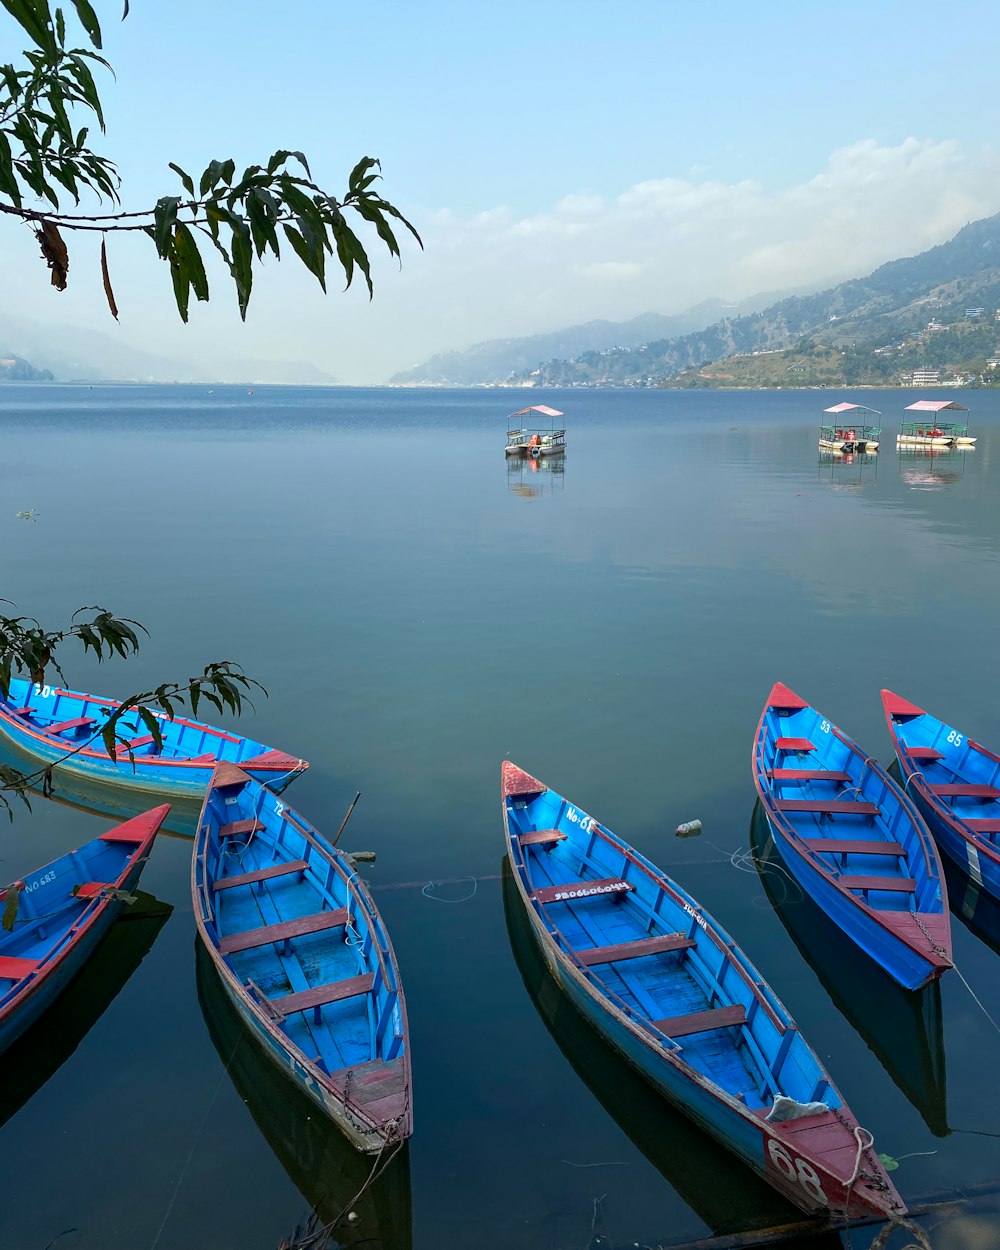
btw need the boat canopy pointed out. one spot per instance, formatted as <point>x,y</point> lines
<point>546,412</point>
<point>842,408</point>
<point>935,405</point>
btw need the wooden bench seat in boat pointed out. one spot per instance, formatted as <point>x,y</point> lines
<point>828,807</point>
<point>541,837</point>
<point>851,846</point>
<point>636,949</point>
<point>123,748</point>
<point>23,711</point>
<point>574,891</point>
<point>320,995</point>
<point>808,774</point>
<point>923,753</point>
<point>983,826</point>
<point>13,968</point>
<point>64,726</point>
<point>91,889</point>
<point>901,885</point>
<point>261,874</point>
<point>701,1021</point>
<point>284,931</point>
<point>795,744</point>
<point>237,827</point>
<point>958,791</point>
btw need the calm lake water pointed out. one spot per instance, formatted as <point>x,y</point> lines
<point>419,610</point>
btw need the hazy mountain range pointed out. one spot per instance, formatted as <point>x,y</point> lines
<point>500,360</point>
<point>904,315</point>
<point>73,354</point>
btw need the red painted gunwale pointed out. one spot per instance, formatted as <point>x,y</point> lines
<point>914,777</point>
<point>828,1140</point>
<point>908,931</point>
<point>142,830</point>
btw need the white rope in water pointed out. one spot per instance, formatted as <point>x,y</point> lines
<point>437,897</point>
<point>975,998</point>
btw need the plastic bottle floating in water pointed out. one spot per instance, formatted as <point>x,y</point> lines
<point>689,829</point>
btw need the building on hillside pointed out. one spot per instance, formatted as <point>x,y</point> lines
<point>974,313</point>
<point>936,325</point>
<point>925,377</point>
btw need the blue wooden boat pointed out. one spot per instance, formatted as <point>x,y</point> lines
<point>955,783</point>
<point>42,1050</point>
<point>46,723</point>
<point>904,1029</point>
<point>304,957</point>
<point>672,992</point>
<point>854,842</point>
<point>63,911</point>
<point>334,1179</point>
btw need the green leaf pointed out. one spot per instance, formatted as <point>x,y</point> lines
<point>187,255</point>
<point>89,21</point>
<point>185,178</point>
<point>888,1162</point>
<point>10,907</point>
<point>153,726</point>
<point>164,220</point>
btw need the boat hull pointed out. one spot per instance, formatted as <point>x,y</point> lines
<point>303,958</point>
<point>891,902</point>
<point>914,440</point>
<point>769,1149</point>
<point>183,769</point>
<point>73,948</point>
<point>972,852</point>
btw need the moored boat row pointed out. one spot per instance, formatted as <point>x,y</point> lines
<point>297,947</point>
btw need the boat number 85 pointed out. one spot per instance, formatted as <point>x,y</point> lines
<point>955,739</point>
<point>797,1169</point>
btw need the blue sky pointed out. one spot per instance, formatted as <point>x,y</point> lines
<point>564,161</point>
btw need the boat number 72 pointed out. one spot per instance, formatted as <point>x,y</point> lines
<point>955,739</point>
<point>824,726</point>
<point>797,1169</point>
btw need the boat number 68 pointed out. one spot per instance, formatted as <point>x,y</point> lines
<point>955,739</point>
<point>797,1169</point>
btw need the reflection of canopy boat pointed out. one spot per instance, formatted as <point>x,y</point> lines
<point>852,839</point>
<point>956,784</point>
<point>535,441</point>
<point>327,1171</point>
<point>45,1047</point>
<point>669,989</point>
<point>904,1029</point>
<point>851,430</point>
<point>727,1196</point>
<point>928,431</point>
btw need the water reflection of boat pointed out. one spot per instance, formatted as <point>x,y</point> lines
<point>531,478</point>
<point>44,1048</point>
<point>927,468</point>
<point>103,798</point>
<point>727,1196</point>
<point>904,1029</point>
<point>321,1163</point>
<point>848,470</point>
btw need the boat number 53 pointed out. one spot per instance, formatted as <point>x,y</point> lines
<point>824,726</point>
<point>797,1169</point>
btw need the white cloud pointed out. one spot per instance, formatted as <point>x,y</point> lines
<point>661,245</point>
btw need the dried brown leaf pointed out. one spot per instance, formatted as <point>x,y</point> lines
<point>107,282</point>
<point>54,252</point>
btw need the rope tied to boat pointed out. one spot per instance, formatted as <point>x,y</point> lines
<point>938,950</point>
<point>882,1236</point>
